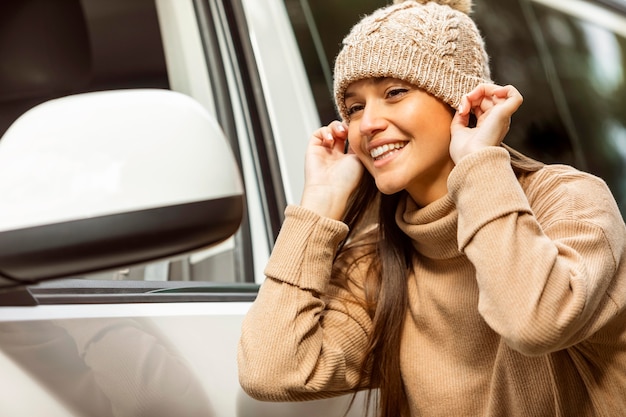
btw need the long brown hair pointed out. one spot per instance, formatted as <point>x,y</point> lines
<point>390,253</point>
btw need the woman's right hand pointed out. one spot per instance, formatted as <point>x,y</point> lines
<point>330,174</point>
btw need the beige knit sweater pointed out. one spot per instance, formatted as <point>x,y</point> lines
<point>517,301</point>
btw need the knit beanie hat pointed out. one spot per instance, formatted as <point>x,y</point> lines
<point>432,44</point>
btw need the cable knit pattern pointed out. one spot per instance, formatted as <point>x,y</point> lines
<point>517,301</point>
<point>428,44</point>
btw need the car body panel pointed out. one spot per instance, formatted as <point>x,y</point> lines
<point>122,360</point>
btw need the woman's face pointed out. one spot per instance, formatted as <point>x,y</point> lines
<point>401,134</point>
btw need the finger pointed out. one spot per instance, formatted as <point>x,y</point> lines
<point>505,102</point>
<point>330,134</point>
<point>487,89</point>
<point>484,96</point>
<point>507,91</point>
<point>477,104</point>
<point>325,136</point>
<point>465,106</point>
<point>479,93</point>
<point>338,129</point>
<point>461,118</point>
<point>510,96</point>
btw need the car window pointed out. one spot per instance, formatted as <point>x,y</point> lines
<point>568,60</point>
<point>589,57</point>
<point>52,49</point>
<point>112,24</point>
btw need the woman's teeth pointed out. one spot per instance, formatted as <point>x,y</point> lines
<point>380,152</point>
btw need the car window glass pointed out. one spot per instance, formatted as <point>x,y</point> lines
<point>52,49</point>
<point>537,129</point>
<point>589,59</point>
<point>126,39</point>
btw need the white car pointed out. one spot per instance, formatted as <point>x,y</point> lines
<point>149,148</point>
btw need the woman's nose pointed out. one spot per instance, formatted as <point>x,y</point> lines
<point>372,119</point>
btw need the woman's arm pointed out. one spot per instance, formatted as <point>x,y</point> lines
<point>547,256</point>
<point>303,338</point>
<point>545,263</point>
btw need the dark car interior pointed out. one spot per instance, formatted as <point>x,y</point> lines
<point>53,48</point>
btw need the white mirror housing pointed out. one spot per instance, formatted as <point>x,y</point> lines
<point>103,180</point>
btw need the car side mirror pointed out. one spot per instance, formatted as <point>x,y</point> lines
<point>103,180</point>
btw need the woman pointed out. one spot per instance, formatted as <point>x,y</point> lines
<point>431,261</point>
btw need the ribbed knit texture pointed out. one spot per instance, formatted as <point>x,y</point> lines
<point>517,301</point>
<point>431,45</point>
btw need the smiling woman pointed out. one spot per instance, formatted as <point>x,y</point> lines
<point>431,262</point>
<point>86,347</point>
<point>566,56</point>
<point>410,135</point>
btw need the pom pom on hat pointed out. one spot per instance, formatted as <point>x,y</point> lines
<point>434,45</point>
<point>464,6</point>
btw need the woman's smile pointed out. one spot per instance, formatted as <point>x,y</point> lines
<point>384,151</point>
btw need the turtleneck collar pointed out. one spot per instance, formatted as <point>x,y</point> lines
<point>433,229</point>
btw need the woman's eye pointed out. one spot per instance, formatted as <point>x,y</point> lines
<point>395,92</point>
<point>354,108</point>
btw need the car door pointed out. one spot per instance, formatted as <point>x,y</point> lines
<point>127,362</point>
<point>156,338</point>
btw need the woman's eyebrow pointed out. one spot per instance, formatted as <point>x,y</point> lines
<point>376,80</point>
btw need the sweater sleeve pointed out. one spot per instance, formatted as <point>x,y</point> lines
<point>303,337</point>
<point>547,255</point>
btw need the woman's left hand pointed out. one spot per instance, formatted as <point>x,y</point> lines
<point>493,106</point>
